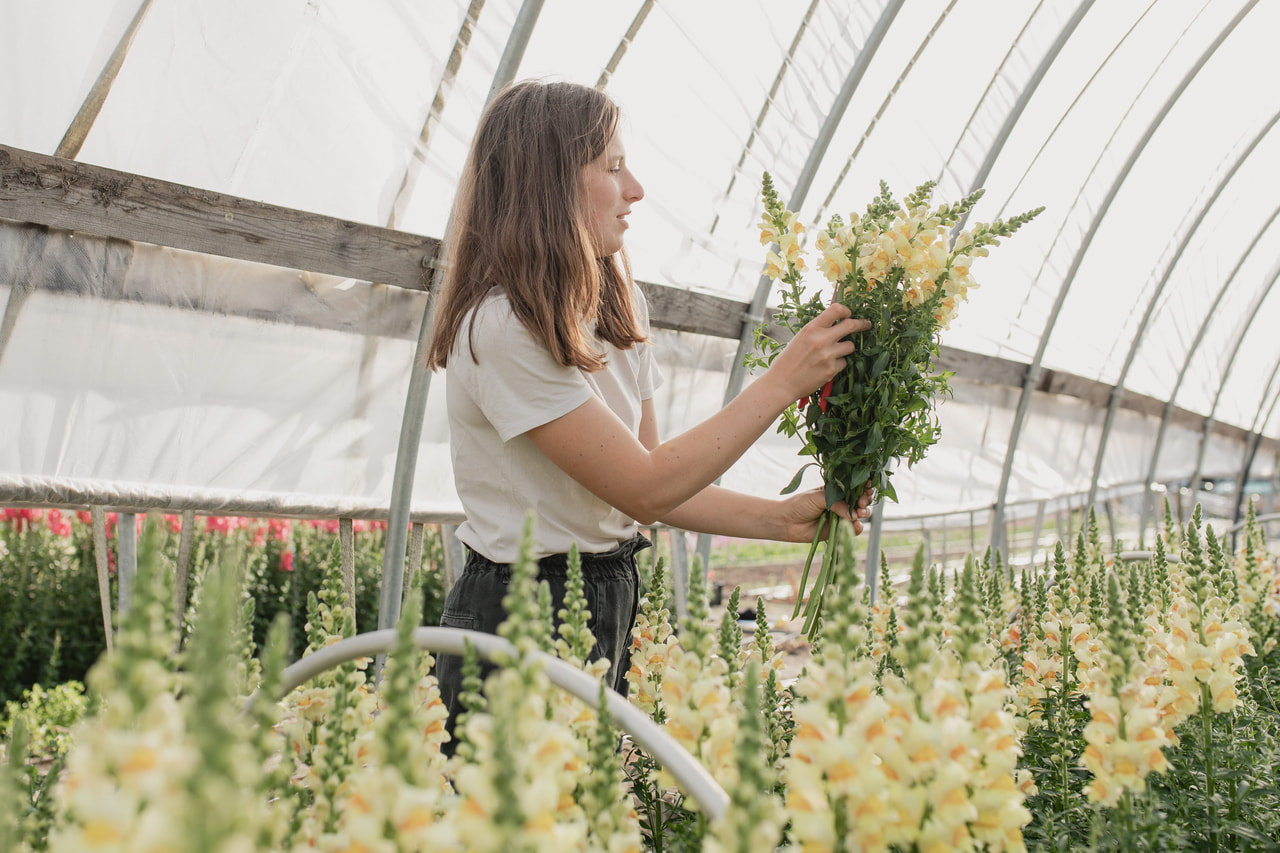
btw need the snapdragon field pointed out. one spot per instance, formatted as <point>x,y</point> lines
<point>1084,704</point>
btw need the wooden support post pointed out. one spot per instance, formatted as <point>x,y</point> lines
<point>454,555</point>
<point>346,542</point>
<point>944,540</point>
<point>415,559</point>
<point>182,571</point>
<point>680,572</point>
<point>1035,534</point>
<point>126,560</point>
<point>98,520</point>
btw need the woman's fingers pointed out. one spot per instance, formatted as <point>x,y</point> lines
<point>837,322</point>
<point>818,351</point>
<point>841,508</point>
<point>866,499</point>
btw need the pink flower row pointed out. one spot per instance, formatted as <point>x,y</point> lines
<point>279,529</point>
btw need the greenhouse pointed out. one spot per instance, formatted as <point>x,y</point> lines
<point>227,474</point>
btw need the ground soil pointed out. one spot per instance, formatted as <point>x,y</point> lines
<point>776,585</point>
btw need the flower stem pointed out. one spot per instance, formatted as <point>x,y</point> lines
<point>813,548</point>
<point>1210,783</point>
<point>1063,724</point>
<point>824,577</point>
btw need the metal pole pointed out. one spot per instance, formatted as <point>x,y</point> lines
<point>1024,98</point>
<point>680,573</point>
<point>1138,336</point>
<point>1251,446</point>
<point>347,550</point>
<point>1100,213</point>
<point>415,558</point>
<point>873,548</point>
<point>1167,415</point>
<point>768,102</point>
<point>944,541</point>
<point>884,106</point>
<point>755,314</point>
<point>627,38</point>
<point>1035,534</point>
<point>392,591</point>
<point>1217,397</point>
<point>410,178</point>
<point>80,126</point>
<point>517,41</point>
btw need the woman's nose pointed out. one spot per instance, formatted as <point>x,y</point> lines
<point>635,192</point>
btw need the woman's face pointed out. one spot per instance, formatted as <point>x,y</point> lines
<point>611,190</point>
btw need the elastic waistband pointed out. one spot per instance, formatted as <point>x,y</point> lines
<point>557,565</point>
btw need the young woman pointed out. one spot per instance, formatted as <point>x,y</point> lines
<point>551,376</point>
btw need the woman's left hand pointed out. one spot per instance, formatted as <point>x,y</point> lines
<point>804,509</point>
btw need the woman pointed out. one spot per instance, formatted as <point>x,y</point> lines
<point>551,376</point>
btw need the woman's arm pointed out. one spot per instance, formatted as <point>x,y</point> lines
<point>594,447</point>
<point>725,512</point>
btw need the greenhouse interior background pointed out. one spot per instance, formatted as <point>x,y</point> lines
<point>218,223</point>
<point>225,471</point>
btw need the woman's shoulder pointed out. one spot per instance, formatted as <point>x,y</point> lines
<point>492,330</point>
<point>493,317</point>
<point>641,303</point>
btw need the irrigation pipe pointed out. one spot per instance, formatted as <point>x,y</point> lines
<point>692,777</point>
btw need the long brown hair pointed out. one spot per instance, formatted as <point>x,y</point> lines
<point>520,224</point>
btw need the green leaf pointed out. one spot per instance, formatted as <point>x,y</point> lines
<point>795,481</point>
<point>875,439</point>
<point>833,493</point>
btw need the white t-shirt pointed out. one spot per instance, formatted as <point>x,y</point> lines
<point>516,386</point>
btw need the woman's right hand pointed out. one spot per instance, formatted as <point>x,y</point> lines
<point>817,352</point>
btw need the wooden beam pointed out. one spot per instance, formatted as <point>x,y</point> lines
<point>686,311</point>
<point>986,369</point>
<point>79,197</point>
<point>74,196</point>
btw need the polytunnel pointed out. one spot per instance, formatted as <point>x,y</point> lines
<point>220,222</point>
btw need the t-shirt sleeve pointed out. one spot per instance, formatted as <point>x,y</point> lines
<point>648,375</point>
<point>516,384</point>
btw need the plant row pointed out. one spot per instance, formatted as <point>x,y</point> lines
<point>1085,704</point>
<point>51,608</point>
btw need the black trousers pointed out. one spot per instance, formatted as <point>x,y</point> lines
<point>612,588</point>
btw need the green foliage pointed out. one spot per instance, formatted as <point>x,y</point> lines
<point>50,605</point>
<point>50,615</point>
<point>48,715</point>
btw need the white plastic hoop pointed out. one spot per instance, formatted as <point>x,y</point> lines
<point>692,777</point>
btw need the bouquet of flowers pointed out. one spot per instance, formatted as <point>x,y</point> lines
<point>899,266</point>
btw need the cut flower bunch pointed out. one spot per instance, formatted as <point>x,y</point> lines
<point>898,266</point>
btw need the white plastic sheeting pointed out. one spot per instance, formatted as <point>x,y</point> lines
<point>166,371</point>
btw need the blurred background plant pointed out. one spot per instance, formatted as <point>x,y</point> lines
<point>51,614</point>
